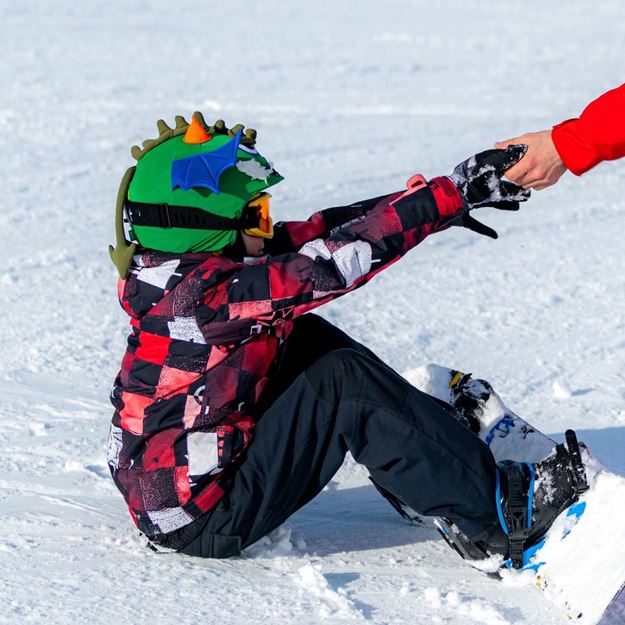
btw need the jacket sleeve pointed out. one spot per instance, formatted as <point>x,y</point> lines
<point>289,236</point>
<point>343,258</point>
<point>597,135</point>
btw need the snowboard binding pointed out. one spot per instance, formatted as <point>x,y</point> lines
<point>529,499</point>
<point>468,396</point>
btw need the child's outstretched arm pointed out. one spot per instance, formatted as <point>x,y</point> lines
<point>346,257</point>
<point>289,236</point>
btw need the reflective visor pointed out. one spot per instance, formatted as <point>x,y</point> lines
<point>258,207</point>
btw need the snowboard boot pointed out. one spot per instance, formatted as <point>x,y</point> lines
<point>529,499</point>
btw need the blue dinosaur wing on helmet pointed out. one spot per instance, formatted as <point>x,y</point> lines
<point>204,170</point>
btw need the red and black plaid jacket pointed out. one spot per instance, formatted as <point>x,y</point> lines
<point>206,333</point>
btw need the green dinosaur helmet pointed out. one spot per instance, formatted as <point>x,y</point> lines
<point>212,168</point>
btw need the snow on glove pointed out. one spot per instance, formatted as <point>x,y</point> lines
<point>479,182</point>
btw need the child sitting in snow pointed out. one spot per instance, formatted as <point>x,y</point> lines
<point>234,405</point>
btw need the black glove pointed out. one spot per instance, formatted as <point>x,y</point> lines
<point>480,184</point>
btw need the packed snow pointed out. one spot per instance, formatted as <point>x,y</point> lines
<point>349,100</point>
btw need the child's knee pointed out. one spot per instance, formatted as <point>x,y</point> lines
<point>332,369</point>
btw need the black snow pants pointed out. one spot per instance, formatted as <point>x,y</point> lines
<point>333,395</point>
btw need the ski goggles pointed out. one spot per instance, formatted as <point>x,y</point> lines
<point>256,212</point>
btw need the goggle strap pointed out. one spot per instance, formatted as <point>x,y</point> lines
<point>189,217</point>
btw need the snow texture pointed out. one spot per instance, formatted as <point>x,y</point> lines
<point>349,101</point>
<point>254,169</point>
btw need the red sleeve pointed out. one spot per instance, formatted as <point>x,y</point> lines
<point>289,236</point>
<point>344,259</point>
<point>597,135</point>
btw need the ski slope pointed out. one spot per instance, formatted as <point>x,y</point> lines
<point>350,99</point>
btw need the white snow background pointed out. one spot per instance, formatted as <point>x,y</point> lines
<point>350,99</point>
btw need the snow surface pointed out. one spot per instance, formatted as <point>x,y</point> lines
<point>350,99</point>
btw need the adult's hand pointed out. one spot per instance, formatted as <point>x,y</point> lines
<point>540,167</point>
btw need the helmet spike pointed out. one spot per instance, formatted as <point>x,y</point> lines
<point>201,132</point>
<point>249,138</point>
<point>181,122</point>
<point>162,126</point>
<point>198,115</point>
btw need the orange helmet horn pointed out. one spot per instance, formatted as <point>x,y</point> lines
<point>196,133</point>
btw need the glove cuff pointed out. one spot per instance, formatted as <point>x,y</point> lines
<point>449,200</point>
